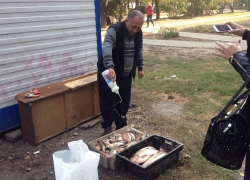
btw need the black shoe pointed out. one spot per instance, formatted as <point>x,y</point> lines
<point>107,131</point>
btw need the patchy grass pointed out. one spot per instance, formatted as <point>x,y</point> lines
<point>207,28</point>
<point>168,33</point>
<point>203,85</point>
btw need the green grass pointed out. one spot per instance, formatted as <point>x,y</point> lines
<point>206,84</point>
<point>194,78</point>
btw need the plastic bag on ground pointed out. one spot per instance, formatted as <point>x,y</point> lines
<point>77,163</point>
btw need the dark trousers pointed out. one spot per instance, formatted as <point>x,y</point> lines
<point>107,100</point>
<point>247,167</point>
<point>149,18</point>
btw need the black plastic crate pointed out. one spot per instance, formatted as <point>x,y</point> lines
<point>158,167</point>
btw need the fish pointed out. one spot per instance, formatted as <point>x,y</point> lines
<point>126,137</point>
<point>98,146</point>
<point>143,154</point>
<point>154,158</point>
<point>144,135</point>
<point>106,141</point>
<point>112,152</point>
<point>130,144</point>
<point>141,136</point>
<point>102,146</point>
<point>114,145</point>
<point>120,149</point>
<point>132,136</point>
<point>118,137</point>
<point>113,140</point>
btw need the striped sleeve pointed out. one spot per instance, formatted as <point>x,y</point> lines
<point>107,46</point>
<point>140,61</point>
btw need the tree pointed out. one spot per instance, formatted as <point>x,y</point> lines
<point>117,9</point>
<point>103,4</point>
<point>157,9</point>
<point>174,7</point>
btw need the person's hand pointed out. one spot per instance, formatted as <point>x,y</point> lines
<point>237,29</point>
<point>111,74</point>
<point>140,74</point>
<point>226,51</point>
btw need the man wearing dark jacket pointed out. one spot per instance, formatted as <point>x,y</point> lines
<point>121,54</point>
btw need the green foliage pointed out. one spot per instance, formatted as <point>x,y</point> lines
<point>168,33</point>
<point>116,9</point>
<point>174,7</point>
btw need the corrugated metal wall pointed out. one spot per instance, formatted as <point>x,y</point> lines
<point>44,41</point>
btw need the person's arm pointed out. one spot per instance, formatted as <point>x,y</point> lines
<point>237,58</point>
<point>241,63</point>
<point>107,47</point>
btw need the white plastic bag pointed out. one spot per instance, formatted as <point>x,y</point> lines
<point>77,163</point>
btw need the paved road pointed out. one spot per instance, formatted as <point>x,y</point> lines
<point>193,44</point>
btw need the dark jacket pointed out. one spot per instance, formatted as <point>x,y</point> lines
<point>118,51</point>
<point>241,61</point>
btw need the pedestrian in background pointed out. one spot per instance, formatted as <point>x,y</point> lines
<point>149,14</point>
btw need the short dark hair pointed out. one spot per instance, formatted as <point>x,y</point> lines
<point>135,13</point>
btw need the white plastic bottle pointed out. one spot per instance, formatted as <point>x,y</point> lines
<point>111,84</point>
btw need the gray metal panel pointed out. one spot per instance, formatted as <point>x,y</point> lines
<point>42,42</point>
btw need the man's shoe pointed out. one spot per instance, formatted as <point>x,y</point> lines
<point>107,131</point>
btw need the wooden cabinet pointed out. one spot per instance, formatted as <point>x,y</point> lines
<point>61,106</point>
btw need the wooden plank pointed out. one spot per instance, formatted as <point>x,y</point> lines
<point>81,82</point>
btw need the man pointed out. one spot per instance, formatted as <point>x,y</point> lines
<point>121,54</point>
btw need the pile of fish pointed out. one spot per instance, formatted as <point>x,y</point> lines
<point>147,156</point>
<point>118,142</point>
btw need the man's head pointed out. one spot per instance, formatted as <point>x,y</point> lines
<point>134,22</point>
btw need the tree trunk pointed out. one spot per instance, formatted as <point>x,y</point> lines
<point>157,9</point>
<point>103,14</point>
<point>128,6</point>
<point>136,4</point>
<point>231,7</point>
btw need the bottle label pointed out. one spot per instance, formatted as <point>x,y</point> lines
<point>106,79</point>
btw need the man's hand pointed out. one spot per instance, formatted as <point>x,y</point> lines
<point>226,51</point>
<point>140,74</point>
<point>111,74</point>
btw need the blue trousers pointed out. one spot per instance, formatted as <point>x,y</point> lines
<point>149,18</point>
<point>107,100</point>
